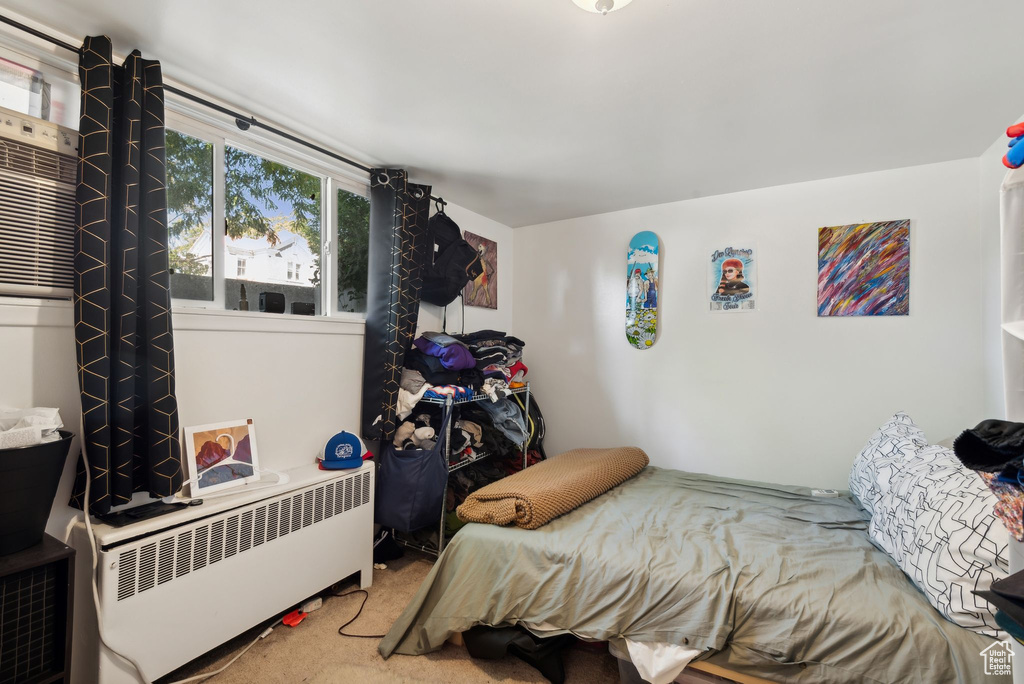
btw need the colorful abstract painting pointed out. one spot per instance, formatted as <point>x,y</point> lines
<point>483,291</point>
<point>864,269</point>
<point>732,279</point>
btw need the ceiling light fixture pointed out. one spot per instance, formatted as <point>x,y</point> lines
<point>601,6</point>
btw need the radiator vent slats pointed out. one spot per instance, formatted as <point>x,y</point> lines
<point>216,541</point>
<point>329,500</point>
<point>184,553</point>
<point>259,533</point>
<point>285,525</point>
<point>231,541</point>
<point>318,505</point>
<point>147,567</point>
<point>165,563</point>
<point>307,508</point>
<point>272,512</point>
<point>199,554</point>
<point>296,512</point>
<point>245,540</point>
<point>126,574</point>
<point>153,562</point>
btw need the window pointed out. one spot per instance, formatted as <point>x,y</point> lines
<point>273,213</point>
<point>353,250</point>
<point>190,216</point>
<point>245,212</point>
<point>31,87</point>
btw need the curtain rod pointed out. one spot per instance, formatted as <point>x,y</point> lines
<point>243,122</point>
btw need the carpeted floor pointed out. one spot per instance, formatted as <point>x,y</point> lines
<point>314,652</point>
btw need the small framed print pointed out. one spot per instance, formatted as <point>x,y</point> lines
<point>732,278</point>
<point>221,455</point>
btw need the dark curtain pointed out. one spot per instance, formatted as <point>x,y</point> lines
<point>122,301</point>
<point>398,253</point>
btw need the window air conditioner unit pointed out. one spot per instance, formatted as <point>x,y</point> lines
<point>38,173</point>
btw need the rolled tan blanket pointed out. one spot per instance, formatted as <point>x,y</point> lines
<point>539,494</point>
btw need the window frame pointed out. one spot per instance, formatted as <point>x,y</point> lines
<point>182,118</point>
<point>217,261</point>
<point>192,119</point>
<point>50,65</point>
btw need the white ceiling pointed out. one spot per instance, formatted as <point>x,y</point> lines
<point>529,111</point>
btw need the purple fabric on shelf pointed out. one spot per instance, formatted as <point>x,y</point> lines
<point>453,357</point>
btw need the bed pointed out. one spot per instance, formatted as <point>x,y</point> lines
<point>764,580</point>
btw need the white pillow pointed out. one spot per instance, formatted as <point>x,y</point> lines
<point>874,467</point>
<point>934,518</point>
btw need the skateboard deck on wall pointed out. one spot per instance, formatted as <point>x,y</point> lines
<point>643,290</point>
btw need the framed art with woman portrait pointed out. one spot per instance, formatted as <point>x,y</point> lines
<point>732,279</point>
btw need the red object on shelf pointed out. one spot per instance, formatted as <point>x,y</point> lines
<point>293,618</point>
<point>1015,131</point>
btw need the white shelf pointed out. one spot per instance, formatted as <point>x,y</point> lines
<point>1015,328</point>
<point>475,397</point>
<point>298,478</point>
<point>462,463</point>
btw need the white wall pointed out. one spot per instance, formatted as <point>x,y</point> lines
<point>778,394</point>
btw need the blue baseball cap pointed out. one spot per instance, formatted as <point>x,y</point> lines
<point>343,450</point>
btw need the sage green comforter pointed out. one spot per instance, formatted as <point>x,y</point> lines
<point>769,580</point>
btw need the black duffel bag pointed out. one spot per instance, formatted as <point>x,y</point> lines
<point>455,262</point>
<point>411,483</point>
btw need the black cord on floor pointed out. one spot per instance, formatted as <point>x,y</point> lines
<point>366,595</point>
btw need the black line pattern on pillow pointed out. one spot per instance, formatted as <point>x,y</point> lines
<point>936,521</point>
<point>880,459</point>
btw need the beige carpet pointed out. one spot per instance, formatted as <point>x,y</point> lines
<point>314,652</point>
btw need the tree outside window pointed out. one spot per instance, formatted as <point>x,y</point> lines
<point>267,202</point>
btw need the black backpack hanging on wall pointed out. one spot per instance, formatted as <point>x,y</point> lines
<point>455,262</point>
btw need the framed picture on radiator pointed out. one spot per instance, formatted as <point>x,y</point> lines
<point>220,455</point>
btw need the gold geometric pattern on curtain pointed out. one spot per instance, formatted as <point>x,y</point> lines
<point>398,253</point>
<point>123,334</point>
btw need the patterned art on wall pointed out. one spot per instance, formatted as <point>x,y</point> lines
<point>732,278</point>
<point>483,291</point>
<point>864,269</point>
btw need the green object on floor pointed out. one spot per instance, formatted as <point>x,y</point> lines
<point>1011,627</point>
<point>452,524</point>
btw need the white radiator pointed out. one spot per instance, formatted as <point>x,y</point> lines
<point>172,595</point>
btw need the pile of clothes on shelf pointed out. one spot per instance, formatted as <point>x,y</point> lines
<point>439,365</point>
<point>487,366</point>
